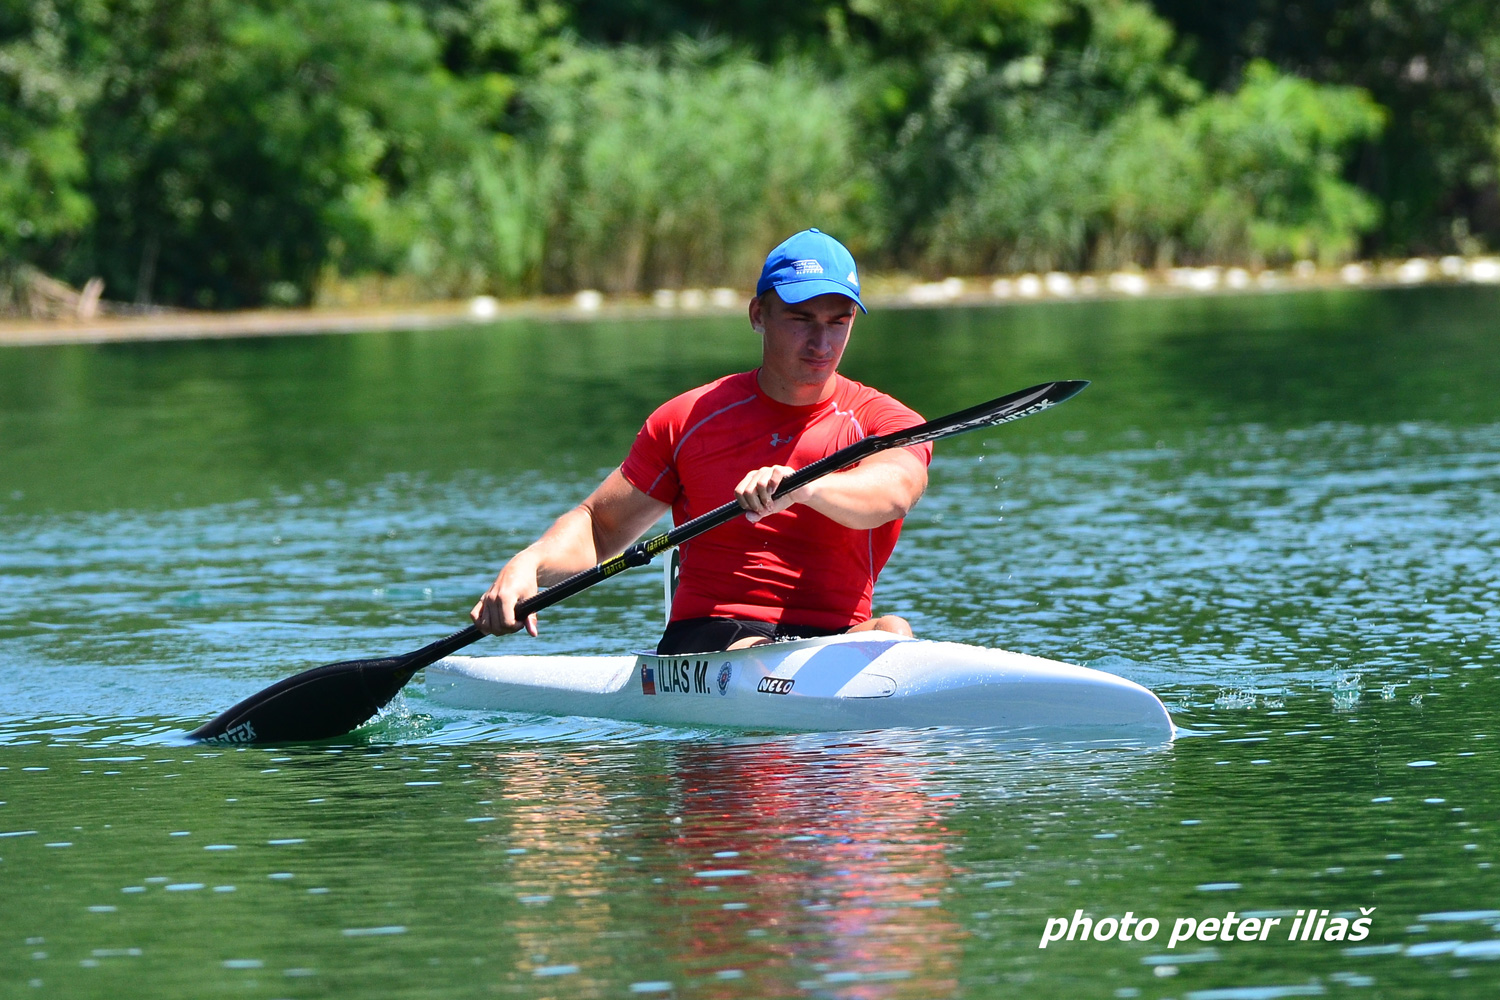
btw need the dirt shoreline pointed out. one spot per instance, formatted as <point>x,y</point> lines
<point>247,323</point>
<point>883,294</point>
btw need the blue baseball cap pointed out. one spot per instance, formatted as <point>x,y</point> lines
<point>808,264</point>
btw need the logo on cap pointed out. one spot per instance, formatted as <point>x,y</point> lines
<point>804,266</point>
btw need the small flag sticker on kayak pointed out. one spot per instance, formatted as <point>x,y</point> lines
<point>648,679</point>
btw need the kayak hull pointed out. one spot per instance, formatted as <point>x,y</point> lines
<point>846,682</point>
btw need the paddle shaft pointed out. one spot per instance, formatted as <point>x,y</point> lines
<point>998,411</point>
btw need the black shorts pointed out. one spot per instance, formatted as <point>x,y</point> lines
<point>713,635</point>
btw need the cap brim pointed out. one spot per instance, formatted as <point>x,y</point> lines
<point>792,292</point>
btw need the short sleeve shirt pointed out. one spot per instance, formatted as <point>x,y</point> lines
<point>796,566</point>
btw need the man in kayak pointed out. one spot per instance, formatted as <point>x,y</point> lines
<point>801,566</point>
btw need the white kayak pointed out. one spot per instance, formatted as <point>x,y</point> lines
<point>868,680</point>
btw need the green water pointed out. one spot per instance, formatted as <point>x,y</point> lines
<point>1279,512</point>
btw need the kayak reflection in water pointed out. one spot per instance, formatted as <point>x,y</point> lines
<point>802,565</point>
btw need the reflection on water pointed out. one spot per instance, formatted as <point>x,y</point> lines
<point>844,862</point>
<point>1278,512</point>
<point>776,865</point>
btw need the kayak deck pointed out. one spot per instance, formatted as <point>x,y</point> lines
<point>842,682</point>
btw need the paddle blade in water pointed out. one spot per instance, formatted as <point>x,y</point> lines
<point>316,704</point>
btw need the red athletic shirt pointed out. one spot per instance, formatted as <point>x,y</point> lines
<point>795,566</point>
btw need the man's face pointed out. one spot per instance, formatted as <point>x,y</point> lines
<point>804,341</point>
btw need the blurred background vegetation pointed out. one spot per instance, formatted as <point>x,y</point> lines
<point>231,153</point>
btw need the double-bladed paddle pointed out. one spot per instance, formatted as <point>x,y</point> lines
<point>337,698</point>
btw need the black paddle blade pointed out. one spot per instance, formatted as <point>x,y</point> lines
<point>997,411</point>
<point>316,704</point>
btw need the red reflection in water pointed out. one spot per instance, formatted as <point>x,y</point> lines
<point>839,855</point>
<point>845,861</point>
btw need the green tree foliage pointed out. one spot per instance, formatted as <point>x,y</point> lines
<point>41,161</point>
<point>998,159</point>
<point>1250,177</point>
<point>683,168</point>
<point>1273,156</point>
<point>239,146</point>
<point>1434,65</point>
<point>235,152</point>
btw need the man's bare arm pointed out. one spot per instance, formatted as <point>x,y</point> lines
<point>879,489</point>
<point>612,517</point>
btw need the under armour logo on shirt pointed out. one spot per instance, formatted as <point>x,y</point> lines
<point>777,440</point>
